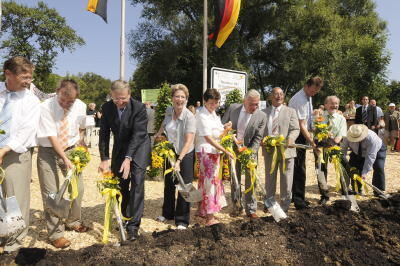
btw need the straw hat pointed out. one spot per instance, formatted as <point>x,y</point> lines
<point>357,132</point>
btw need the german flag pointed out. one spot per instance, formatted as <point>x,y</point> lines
<point>98,7</point>
<point>226,14</point>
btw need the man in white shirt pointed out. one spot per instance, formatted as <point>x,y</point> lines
<point>19,119</point>
<point>62,126</point>
<point>302,103</point>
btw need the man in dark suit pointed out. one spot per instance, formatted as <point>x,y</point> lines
<point>126,118</point>
<point>366,114</point>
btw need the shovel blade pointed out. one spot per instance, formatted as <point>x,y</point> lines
<point>59,208</point>
<point>11,220</point>
<point>189,193</point>
<point>354,206</point>
<point>275,209</point>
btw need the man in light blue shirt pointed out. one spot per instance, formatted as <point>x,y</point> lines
<point>367,152</point>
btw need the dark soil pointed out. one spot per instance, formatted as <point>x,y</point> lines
<point>319,235</point>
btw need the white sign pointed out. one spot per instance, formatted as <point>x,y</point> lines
<point>226,80</point>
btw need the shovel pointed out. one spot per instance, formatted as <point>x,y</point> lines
<point>275,209</point>
<point>354,206</point>
<point>187,191</point>
<point>120,223</point>
<point>56,204</point>
<point>377,190</point>
<point>11,221</point>
<point>235,182</point>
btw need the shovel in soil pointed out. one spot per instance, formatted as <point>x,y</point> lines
<point>56,204</point>
<point>354,206</point>
<point>378,191</point>
<point>275,209</point>
<point>235,183</point>
<point>187,191</point>
<point>11,221</point>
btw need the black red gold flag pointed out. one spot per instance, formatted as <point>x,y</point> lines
<point>98,7</point>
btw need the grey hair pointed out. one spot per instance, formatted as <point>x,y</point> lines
<point>252,94</point>
<point>329,98</point>
<point>277,88</point>
<point>119,85</point>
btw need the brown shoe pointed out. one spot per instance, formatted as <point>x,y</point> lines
<point>252,216</point>
<point>78,228</point>
<point>61,242</point>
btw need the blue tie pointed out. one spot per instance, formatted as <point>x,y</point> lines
<point>310,111</point>
<point>5,119</point>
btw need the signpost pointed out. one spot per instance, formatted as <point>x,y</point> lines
<point>226,80</point>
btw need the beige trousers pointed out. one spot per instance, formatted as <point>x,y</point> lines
<point>18,168</point>
<point>51,170</point>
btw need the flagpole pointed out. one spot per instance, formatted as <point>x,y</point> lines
<point>205,41</point>
<point>122,44</point>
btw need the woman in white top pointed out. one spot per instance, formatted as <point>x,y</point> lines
<point>209,129</point>
<point>180,126</point>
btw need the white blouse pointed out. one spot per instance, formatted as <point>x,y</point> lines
<point>207,124</point>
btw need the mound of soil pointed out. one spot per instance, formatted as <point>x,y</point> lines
<point>313,236</point>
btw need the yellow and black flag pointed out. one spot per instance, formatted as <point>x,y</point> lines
<point>226,14</point>
<point>98,7</point>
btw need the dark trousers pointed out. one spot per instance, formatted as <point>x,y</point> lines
<point>299,176</point>
<point>132,190</point>
<point>178,209</point>
<point>378,177</point>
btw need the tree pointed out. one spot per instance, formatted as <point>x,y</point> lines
<point>163,101</point>
<point>278,42</point>
<point>38,33</point>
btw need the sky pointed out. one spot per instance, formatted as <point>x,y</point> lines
<point>101,52</point>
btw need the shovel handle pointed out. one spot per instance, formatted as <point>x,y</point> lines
<point>120,224</point>
<point>380,192</point>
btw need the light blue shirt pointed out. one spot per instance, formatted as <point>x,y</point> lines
<point>369,149</point>
<point>303,106</point>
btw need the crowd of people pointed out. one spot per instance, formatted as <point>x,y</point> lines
<point>59,123</point>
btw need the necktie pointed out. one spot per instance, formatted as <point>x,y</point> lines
<point>330,120</point>
<point>359,149</point>
<point>120,112</point>
<point>364,115</point>
<point>242,126</point>
<point>5,119</point>
<point>63,132</point>
<point>275,124</point>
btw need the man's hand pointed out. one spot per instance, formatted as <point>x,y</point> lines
<point>104,166</point>
<point>68,164</point>
<point>177,166</point>
<point>3,152</point>
<point>82,143</point>
<point>125,168</point>
<point>228,125</point>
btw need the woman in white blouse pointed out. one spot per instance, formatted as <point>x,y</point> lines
<point>208,149</point>
<point>180,126</point>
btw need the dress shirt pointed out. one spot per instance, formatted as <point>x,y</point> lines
<point>50,120</point>
<point>275,113</point>
<point>207,124</point>
<point>369,149</point>
<point>185,123</point>
<point>243,121</point>
<point>25,118</point>
<point>379,112</point>
<point>303,106</point>
<point>338,124</point>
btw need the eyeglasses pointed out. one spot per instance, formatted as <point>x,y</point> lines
<point>30,80</point>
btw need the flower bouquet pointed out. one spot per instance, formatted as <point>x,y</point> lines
<point>226,141</point>
<point>163,150</point>
<point>80,157</point>
<point>321,129</point>
<point>109,188</point>
<point>246,159</point>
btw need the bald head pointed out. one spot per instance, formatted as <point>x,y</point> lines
<point>277,96</point>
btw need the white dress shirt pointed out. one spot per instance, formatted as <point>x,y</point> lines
<point>243,121</point>
<point>273,115</point>
<point>303,106</point>
<point>50,119</point>
<point>207,124</point>
<point>25,118</point>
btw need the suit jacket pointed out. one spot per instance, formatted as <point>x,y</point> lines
<point>288,126</point>
<point>372,119</point>
<point>255,128</point>
<point>130,134</point>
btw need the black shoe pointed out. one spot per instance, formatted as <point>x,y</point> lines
<point>323,200</point>
<point>300,205</point>
<point>133,234</point>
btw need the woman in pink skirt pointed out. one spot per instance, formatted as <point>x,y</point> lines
<point>208,149</point>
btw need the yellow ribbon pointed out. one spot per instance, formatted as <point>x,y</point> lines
<point>358,178</point>
<point>253,176</point>
<point>2,175</point>
<point>275,158</point>
<point>338,171</point>
<point>73,186</point>
<point>110,195</point>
